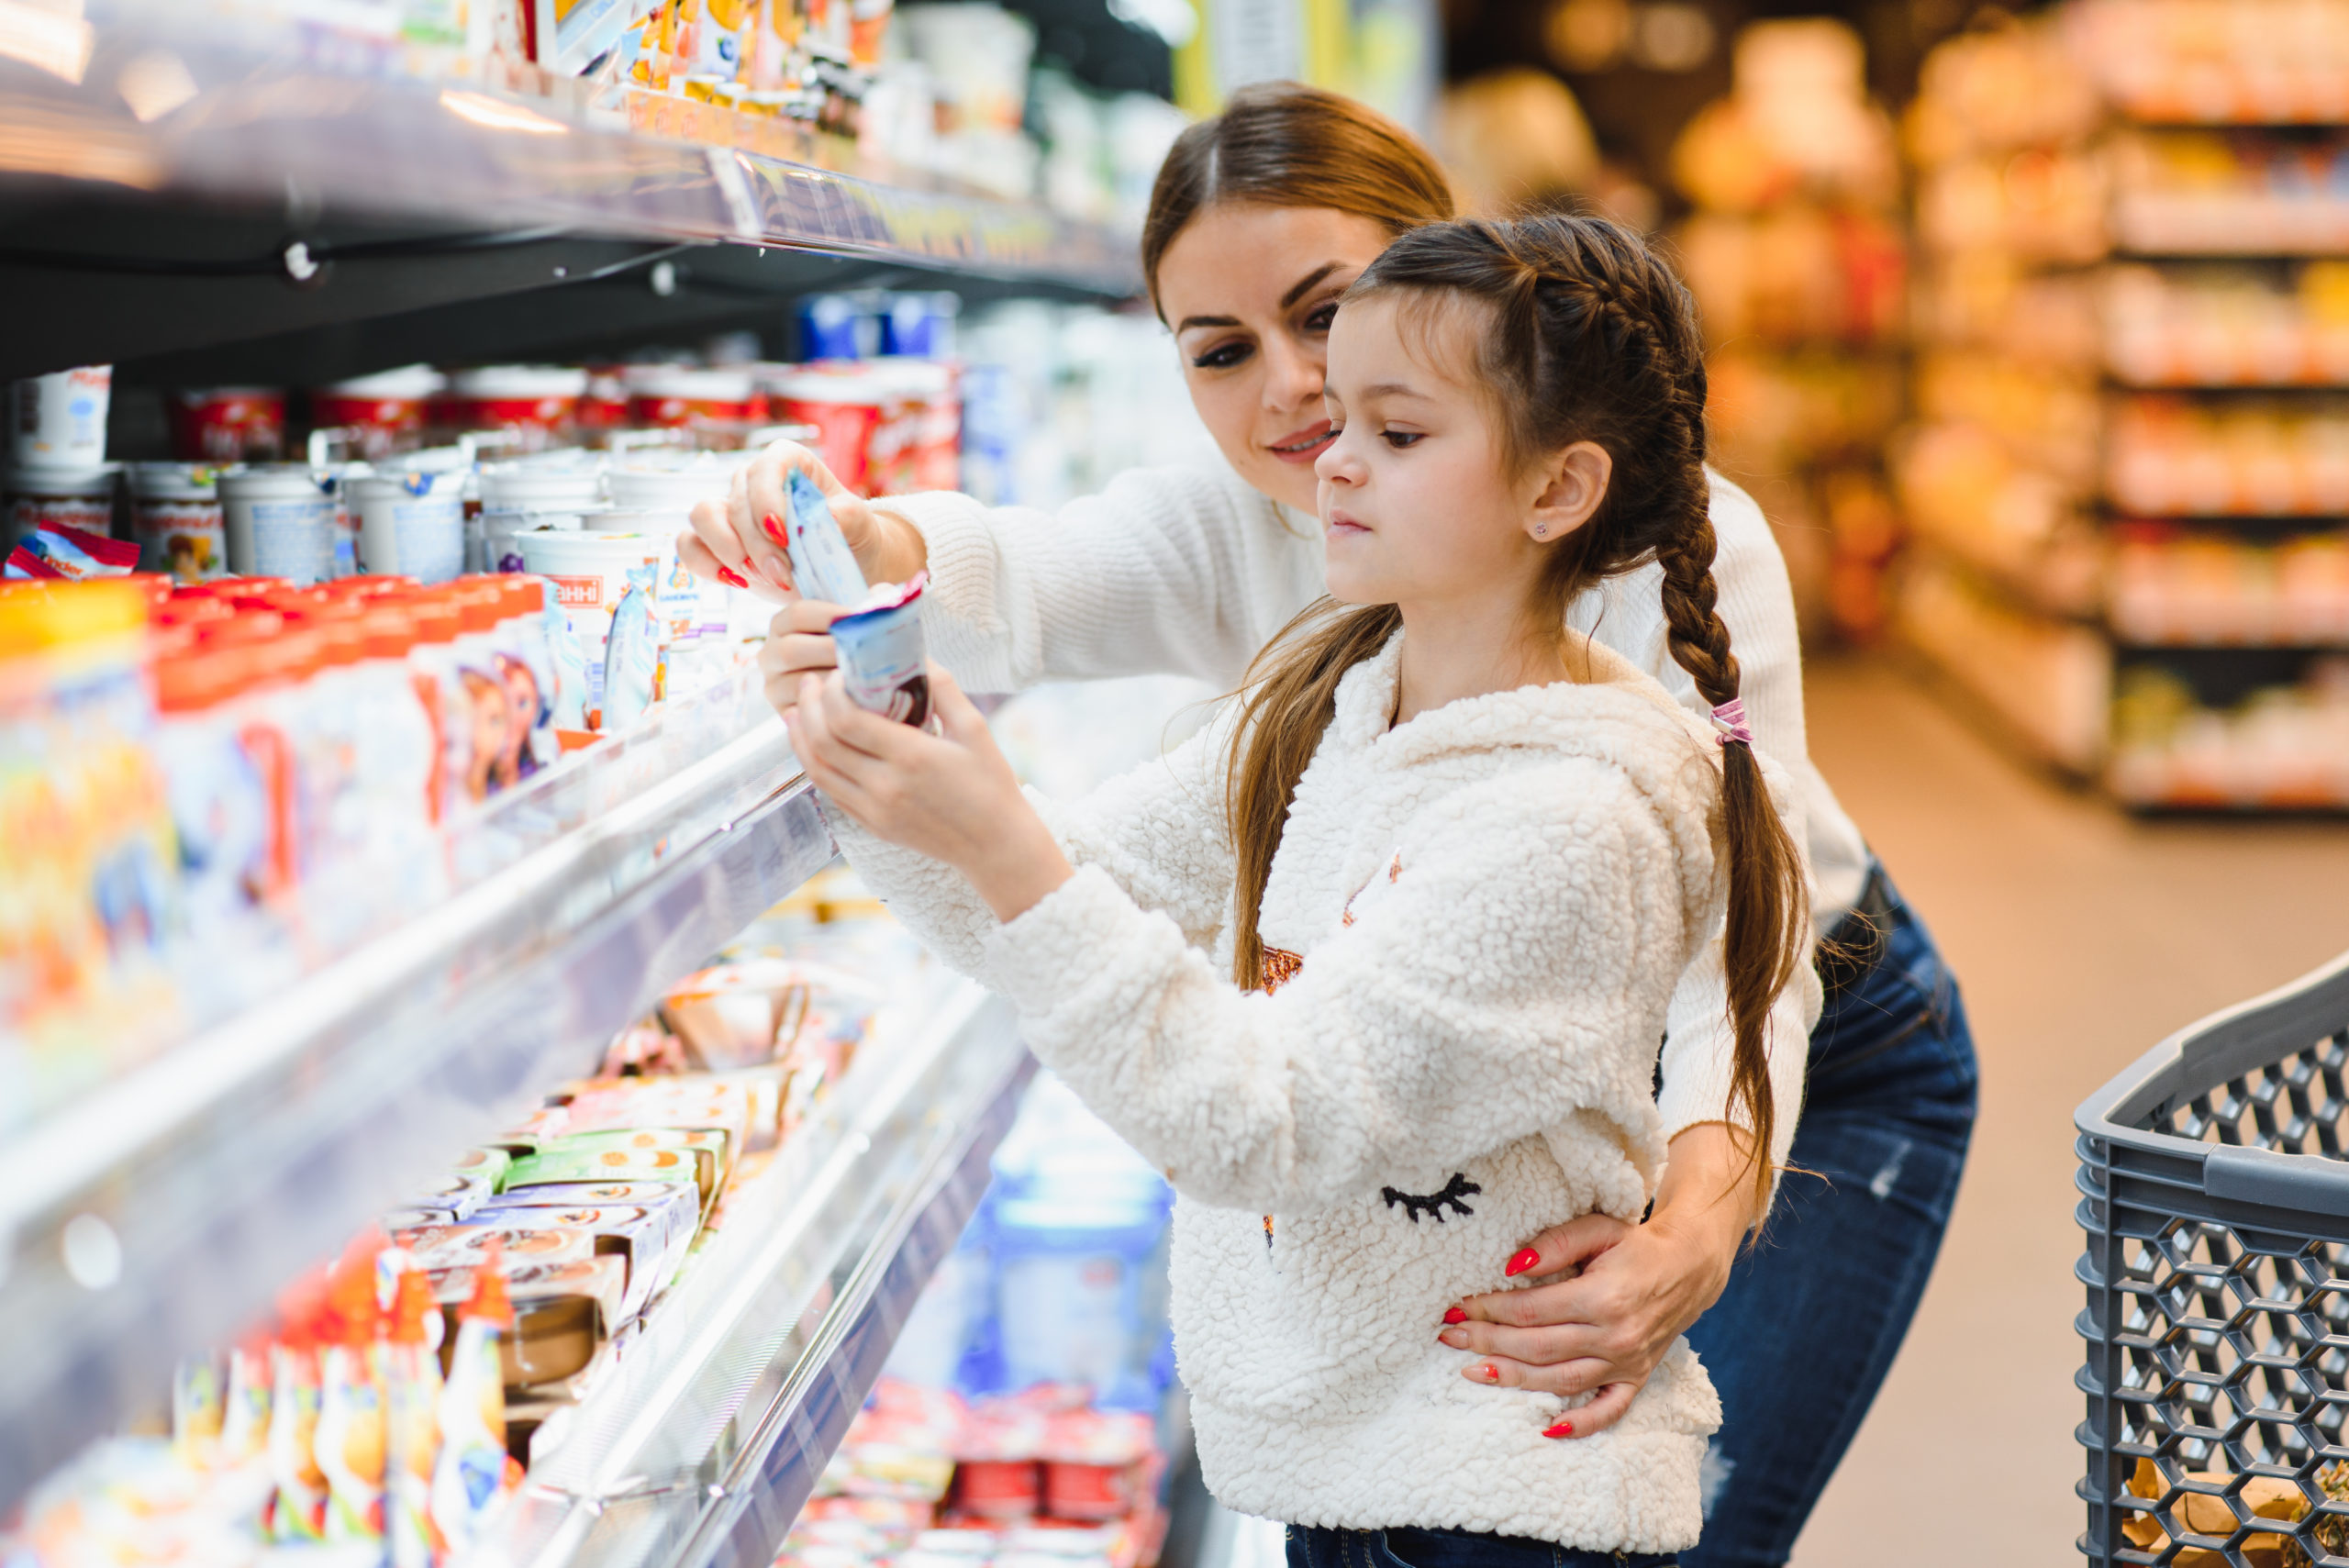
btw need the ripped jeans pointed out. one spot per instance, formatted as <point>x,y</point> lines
<point>1802,1338</point>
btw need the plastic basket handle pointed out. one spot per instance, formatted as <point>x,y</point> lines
<point>2305,1183</point>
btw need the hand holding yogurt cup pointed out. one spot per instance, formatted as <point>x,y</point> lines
<point>741,540</point>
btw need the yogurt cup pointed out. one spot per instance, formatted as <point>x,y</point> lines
<point>78,495</point>
<point>518,497</point>
<point>411,525</point>
<point>672,484</point>
<point>537,401</point>
<point>228,424</point>
<point>279,521</point>
<point>60,419</point>
<point>386,409</point>
<point>688,395</point>
<point>589,568</point>
<point>845,408</point>
<point>176,517</point>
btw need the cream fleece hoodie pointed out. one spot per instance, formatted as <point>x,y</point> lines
<point>1496,907</point>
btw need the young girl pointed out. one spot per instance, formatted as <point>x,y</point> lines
<point>1377,966</point>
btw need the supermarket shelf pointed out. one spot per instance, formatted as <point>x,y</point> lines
<point>2017,585</point>
<point>319,131</point>
<point>699,1453</point>
<point>155,1215</point>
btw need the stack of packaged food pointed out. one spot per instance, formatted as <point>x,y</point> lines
<point>400,1392</point>
<point>2130,448</point>
<point>1043,1479</point>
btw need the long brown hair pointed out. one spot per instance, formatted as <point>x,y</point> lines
<point>1284,144</point>
<point>1588,337</point>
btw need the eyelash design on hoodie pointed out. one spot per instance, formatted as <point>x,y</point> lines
<point>1414,1205</point>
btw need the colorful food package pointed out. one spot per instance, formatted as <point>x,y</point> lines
<point>712,1149</point>
<point>632,654</point>
<point>1098,1463</point>
<point>470,1469</point>
<point>412,1388</point>
<point>609,1166</point>
<point>651,1239</point>
<point>59,552</point>
<point>350,1437</point>
<point>561,1313</point>
<point>822,565</point>
<point>884,659</point>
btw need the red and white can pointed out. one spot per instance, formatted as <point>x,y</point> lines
<point>228,424</point>
<point>846,406</point>
<point>672,396</point>
<point>387,410</point>
<point>540,403</point>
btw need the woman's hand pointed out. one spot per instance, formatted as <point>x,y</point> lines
<point>740,541</point>
<point>951,797</point>
<point>1631,1290</point>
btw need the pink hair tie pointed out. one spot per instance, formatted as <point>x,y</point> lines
<point>1728,724</point>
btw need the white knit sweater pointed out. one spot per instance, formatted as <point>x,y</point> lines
<point>1191,570</point>
<point>1494,907</point>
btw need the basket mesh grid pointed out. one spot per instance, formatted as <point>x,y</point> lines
<point>2218,1374</point>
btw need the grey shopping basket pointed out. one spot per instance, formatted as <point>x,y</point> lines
<point>2216,1202</point>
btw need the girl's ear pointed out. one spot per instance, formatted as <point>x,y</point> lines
<point>1574,482</point>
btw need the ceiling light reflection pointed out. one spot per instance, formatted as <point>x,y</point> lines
<point>55,39</point>
<point>494,113</point>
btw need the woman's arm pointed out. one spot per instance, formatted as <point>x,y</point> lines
<point>1180,570</point>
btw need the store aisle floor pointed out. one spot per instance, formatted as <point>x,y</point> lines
<point>2082,937</point>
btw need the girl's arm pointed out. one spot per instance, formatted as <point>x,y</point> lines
<point>1504,981</point>
<point>1498,987</point>
<point>1149,830</point>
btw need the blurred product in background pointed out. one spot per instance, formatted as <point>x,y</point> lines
<point>1799,264</point>
<point>2130,462</point>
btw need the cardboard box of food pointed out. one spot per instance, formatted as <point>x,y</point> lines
<point>561,1312</point>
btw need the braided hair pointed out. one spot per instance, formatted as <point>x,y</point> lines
<point>1588,337</point>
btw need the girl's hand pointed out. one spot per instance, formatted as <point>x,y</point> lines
<point>799,644</point>
<point>1631,1290</point>
<point>951,797</point>
<point>740,541</point>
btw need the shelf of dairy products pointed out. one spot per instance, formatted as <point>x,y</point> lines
<point>702,1252</point>
<point>710,1433</point>
<point>335,112</point>
<point>151,1213</point>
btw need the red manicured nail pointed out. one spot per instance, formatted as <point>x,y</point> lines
<point>732,578</point>
<point>774,525</point>
<point>1487,1374</point>
<point>1454,1315</point>
<point>1522,1261</point>
<point>1563,1429</point>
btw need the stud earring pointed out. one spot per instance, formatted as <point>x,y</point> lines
<point>1541,530</point>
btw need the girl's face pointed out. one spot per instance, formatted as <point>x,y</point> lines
<point>1421,502</point>
<point>1250,292</point>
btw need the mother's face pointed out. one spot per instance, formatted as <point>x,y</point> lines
<point>1250,292</point>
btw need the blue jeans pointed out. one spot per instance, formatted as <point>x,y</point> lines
<point>1309,1546</point>
<point>1802,1338</point>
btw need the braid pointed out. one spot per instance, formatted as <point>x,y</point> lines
<point>1593,338</point>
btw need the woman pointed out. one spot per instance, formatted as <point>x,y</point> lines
<point>1260,219</point>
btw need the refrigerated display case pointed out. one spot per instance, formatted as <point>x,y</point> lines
<point>2126,470</point>
<point>287,195</point>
